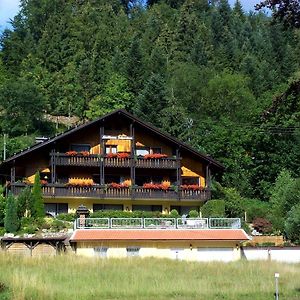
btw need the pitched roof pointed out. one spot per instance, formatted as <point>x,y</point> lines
<point>165,234</point>
<point>101,119</point>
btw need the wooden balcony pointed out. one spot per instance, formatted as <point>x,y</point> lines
<point>104,192</point>
<point>159,163</point>
<point>93,160</point>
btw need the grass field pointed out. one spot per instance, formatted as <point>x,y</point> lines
<point>70,277</point>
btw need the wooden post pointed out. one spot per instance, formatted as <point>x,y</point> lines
<point>13,174</point>
<point>102,152</point>
<point>208,177</point>
<point>132,159</point>
<point>178,172</point>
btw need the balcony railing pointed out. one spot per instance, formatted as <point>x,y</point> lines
<point>161,163</point>
<point>105,192</point>
<point>93,160</point>
<point>158,223</point>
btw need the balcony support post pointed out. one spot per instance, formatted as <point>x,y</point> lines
<point>102,152</point>
<point>132,159</point>
<point>178,172</point>
<point>208,176</point>
<point>53,166</point>
<point>13,173</point>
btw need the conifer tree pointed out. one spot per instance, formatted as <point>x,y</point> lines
<point>2,207</point>
<point>24,203</point>
<point>11,220</point>
<point>38,204</point>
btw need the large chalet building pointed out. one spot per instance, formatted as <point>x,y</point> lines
<point>116,162</point>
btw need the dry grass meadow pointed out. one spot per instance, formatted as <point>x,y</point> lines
<point>71,277</point>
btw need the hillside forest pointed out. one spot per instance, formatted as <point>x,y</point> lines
<point>222,80</point>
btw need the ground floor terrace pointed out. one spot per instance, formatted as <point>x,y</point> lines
<point>194,239</point>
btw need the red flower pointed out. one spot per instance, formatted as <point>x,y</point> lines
<point>71,153</point>
<point>155,155</point>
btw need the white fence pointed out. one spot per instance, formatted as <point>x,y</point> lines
<point>158,223</point>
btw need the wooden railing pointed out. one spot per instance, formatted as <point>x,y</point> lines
<point>161,163</point>
<point>93,160</point>
<point>104,192</point>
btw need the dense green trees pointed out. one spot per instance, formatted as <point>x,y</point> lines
<point>224,81</point>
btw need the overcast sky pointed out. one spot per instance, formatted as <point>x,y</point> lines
<point>9,8</point>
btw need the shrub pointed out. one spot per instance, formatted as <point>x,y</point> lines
<point>66,217</point>
<point>213,208</point>
<point>2,231</point>
<point>127,214</point>
<point>262,225</point>
<point>255,209</point>
<point>58,225</point>
<point>174,213</point>
<point>292,224</point>
<point>193,214</point>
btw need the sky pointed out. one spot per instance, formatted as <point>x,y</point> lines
<point>9,8</point>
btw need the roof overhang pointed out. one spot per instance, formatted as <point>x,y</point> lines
<point>126,114</point>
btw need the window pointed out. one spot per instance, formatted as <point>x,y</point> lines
<point>141,151</point>
<point>100,251</point>
<point>110,149</point>
<point>80,147</point>
<point>155,150</point>
<point>97,207</point>
<point>53,209</point>
<point>190,180</point>
<point>147,208</point>
<point>132,251</point>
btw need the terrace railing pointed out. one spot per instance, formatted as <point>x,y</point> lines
<point>106,192</point>
<point>224,223</point>
<point>157,223</point>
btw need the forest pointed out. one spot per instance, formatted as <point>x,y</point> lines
<point>222,80</point>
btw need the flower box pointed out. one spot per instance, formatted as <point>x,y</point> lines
<point>155,156</point>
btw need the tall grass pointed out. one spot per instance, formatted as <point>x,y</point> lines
<point>73,277</point>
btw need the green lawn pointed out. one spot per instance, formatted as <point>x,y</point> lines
<point>71,277</point>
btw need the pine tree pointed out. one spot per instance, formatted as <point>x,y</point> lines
<point>24,202</point>
<point>11,220</point>
<point>38,204</point>
<point>2,207</point>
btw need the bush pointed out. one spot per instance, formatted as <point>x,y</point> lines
<point>127,214</point>
<point>66,217</point>
<point>292,224</point>
<point>255,209</point>
<point>174,213</point>
<point>2,231</point>
<point>213,208</point>
<point>193,214</point>
<point>58,225</point>
<point>262,225</point>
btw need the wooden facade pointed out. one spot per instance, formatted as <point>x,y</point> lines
<point>116,160</point>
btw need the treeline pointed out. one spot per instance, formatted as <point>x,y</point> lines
<point>221,80</point>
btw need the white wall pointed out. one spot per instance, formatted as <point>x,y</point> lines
<point>288,255</point>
